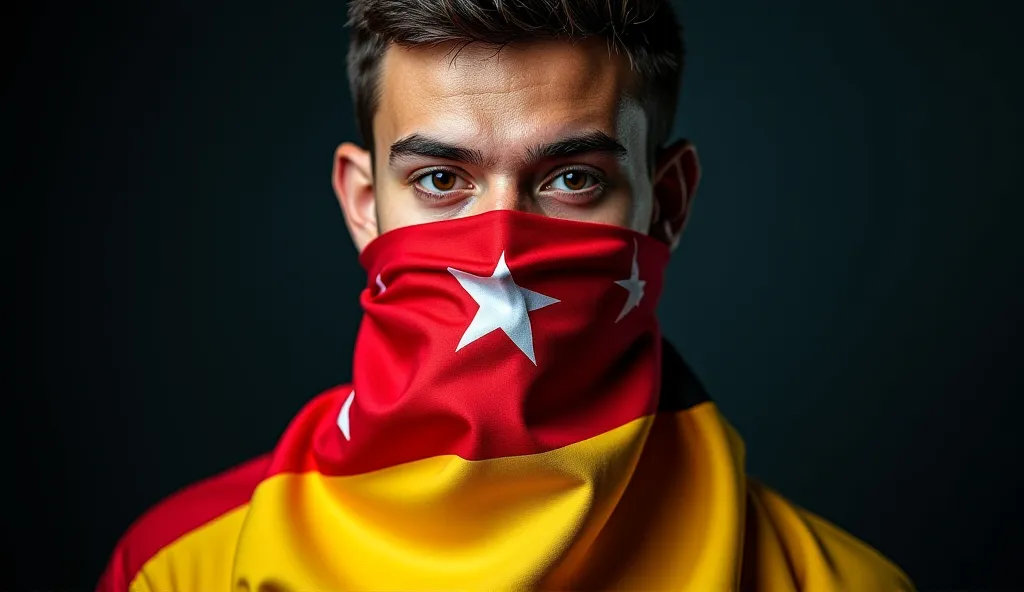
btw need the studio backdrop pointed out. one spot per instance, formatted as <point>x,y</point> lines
<point>848,289</point>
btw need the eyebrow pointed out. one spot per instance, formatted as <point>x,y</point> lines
<point>573,145</point>
<point>421,145</point>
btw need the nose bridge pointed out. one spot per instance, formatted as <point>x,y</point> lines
<point>506,193</point>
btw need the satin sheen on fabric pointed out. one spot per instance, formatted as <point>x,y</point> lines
<point>500,407</point>
<point>416,396</point>
<point>515,421</point>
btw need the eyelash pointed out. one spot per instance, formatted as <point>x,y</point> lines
<point>596,190</point>
<point>592,192</point>
<point>433,195</point>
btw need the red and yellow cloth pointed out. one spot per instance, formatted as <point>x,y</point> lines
<point>515,421</point>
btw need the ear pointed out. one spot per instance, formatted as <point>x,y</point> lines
<point>352,179</point>
<point>676,176</point>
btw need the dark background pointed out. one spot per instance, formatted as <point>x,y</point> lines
<point>849,289</point>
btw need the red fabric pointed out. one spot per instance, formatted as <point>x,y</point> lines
<point>178,515</point>
<point>417,397</point>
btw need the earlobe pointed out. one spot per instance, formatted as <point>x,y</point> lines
<point>352,179</point>
<point>676,177</point>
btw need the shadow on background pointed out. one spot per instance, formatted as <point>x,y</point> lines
<point>849,289</point>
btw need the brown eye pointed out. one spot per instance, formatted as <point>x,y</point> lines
<point>443,180</point>
<point>438,181</point>
<point>573,181</point>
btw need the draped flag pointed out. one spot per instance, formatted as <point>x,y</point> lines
<point>515,421</point>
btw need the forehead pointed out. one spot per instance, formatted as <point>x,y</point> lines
<point>503,100</point>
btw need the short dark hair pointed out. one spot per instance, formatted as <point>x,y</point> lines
<point>646,31</point>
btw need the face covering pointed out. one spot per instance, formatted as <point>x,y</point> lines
<point>507,376</point>
<point>515,423</point>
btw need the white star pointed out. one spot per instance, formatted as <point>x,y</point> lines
<point>380,284</point>
<point>343,416</point>
<point>503,305</point>
<point>634,284</point>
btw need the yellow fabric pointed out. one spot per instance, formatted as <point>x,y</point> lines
<point>688,520</point>
<point>550,521</point>
<point>442,523</point>
<point>820,555</point>
<point>680,524</point>
<point>200,561</point>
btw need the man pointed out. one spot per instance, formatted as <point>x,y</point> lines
<point>515,420</point>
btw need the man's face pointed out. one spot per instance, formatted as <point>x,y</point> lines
<point>543,127</point>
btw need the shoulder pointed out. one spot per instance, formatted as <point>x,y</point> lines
<point>818,554</point>
<point>198,522</point>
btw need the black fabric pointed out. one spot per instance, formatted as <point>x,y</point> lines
<point>680,388</point>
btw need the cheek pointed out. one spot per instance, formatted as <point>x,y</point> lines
<point>641,205</point>
<point>629,207</point>
<point>394,209</point>
<point>616,209</point>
